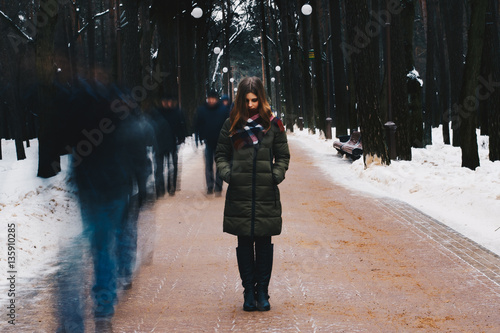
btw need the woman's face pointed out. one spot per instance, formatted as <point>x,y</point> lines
<point>252,101</point>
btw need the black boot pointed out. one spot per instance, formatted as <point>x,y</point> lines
<point>246,267</point>
<point>263,267</point>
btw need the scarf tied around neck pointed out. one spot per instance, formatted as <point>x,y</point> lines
<point>252,133</point>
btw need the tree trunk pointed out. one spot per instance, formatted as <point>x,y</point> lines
<point>430,82</point>
<point>48,152</point>
<point>442,77</point>
<point>91,39</point>
<point>201,55</point>
<point>187,52</point>
<point>111,41</point>
<point>364,62</point>
<point>290,111</point>
<point>468,107</point>
<point>131,47</point>
<point>318,77</point>
<point>339,75</point>
<point>10,65</point>
<point>399,80</point>
<point>486,70</point>
<point>494,110</point>
<point>265,47</point>
<point>414,87</point>
<point>452,16</point>
<point>304,64</point>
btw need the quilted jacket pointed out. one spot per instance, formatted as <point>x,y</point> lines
<point>253,205</point>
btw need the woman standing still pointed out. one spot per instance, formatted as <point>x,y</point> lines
<point>252,156</point>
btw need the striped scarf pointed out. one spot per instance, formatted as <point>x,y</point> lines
<point>253,132</point>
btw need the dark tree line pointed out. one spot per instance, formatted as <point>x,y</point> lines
<point>356,62</point>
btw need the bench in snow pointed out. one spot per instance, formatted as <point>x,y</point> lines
<point>352,147</point>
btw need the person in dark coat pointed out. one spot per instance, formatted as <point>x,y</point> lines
<point>226,101</point>
<point>209,120</point>
<point>109,162</point>
<point>252,156</point>
<point>171,132</point>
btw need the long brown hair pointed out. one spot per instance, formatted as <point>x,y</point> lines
<point>239,113</point>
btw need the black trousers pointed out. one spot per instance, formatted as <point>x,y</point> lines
<point>246,241</point>
<point>214,180</point>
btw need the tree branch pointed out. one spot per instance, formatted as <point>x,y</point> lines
<point>96,16</point>
<point>15,27</point>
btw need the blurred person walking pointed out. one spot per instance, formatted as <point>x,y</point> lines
<point>170,129</point>
<point>209,120</point>
<point>110,167</point>
<point>252,156</point>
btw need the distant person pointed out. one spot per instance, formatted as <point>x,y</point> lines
<point>252,157</point>
<point>226,101</point>
<point>171,132</point>
<point>209,120</point>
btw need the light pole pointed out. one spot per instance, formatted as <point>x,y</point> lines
<point>197,12</point>
<point>390,126</point>
<point>232,89</point>
<point>225,76</point>
<point>306,10</point>
<point>278,92</point>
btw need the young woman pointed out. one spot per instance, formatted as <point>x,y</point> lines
<point>252,156</point>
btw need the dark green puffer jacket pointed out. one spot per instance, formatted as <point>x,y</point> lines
<point>253,173</point>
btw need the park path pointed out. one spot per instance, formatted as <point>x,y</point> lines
<point>345,262</point>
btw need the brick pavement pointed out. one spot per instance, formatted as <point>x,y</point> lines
<point>375,266</point>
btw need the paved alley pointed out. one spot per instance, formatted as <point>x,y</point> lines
<point>345,262</point>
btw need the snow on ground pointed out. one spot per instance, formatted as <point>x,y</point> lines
<point>45,212</point>
<point>433,182</point>
<point>47,215</point>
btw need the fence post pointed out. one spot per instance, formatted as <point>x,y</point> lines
<point>328,131</point>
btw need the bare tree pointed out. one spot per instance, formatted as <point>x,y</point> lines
<point>469,101</point>
<point>364,62</point>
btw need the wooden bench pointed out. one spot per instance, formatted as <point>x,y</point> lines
<point>353,147</point>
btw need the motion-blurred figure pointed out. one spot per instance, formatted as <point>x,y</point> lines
<point>110,168</point>
<point>170,128</point>
<point>209,120</point>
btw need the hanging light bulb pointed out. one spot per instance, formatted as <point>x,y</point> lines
<point>306,9</point>
<point>217,50</point>
<point>197,12</point>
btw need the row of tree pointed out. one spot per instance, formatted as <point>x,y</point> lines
<point>352,61</point>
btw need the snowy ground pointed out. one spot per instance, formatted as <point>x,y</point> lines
<point>46,213</point>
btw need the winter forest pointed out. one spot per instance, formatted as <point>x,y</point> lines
<point>364,64</point>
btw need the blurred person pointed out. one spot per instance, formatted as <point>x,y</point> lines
<point>170,129</point>
<point>226,101</point>
<point>209,120</point>
<point>109,166</point>
<point>252,156</point>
